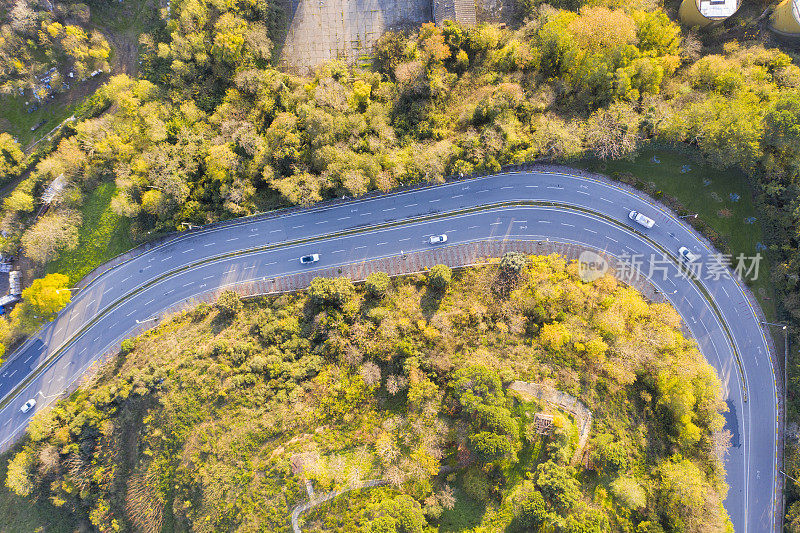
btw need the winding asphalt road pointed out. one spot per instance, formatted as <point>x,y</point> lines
<point>519,206</point>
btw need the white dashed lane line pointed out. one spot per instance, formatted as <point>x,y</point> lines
<point>337,252</point>
<point>610,239</point>
<point>232,239</point>
<point>342,218</point>
<point>411,205</point>
<point>187,251</point>
<point>389,209</point>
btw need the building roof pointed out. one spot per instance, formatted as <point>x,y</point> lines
<point>461,11</point>
<point>713,9</point>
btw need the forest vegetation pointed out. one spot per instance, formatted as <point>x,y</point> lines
<point>215,419</point>
<point>41,35</point>
<point>211,129</point>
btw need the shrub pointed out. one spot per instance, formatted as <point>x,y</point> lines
<point>326,291</point>
<point>229,303</point>
<point>377,283</point>
<point>513,262</point>
<point>439,277</point>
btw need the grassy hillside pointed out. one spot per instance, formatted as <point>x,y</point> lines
<point>215,420</point>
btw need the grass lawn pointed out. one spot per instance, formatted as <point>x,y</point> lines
<point>722,198</point>
<point>16,120</point>
<point>102,235</point>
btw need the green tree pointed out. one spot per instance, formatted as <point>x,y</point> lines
<point>327,291</point>
<point>48,295</point>
<point>513,262</point>
<point>439,277</point>
<point>401,514</point>
<point>558,485</point>
<point>229,303</point>
<point>377,283</point>
<point>11,156</point>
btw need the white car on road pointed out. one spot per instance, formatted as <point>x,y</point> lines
<point>438,239</point>
<point>308,259</point>
<point>27,406</point>
<point>687,255</point>
<point>647,222</point>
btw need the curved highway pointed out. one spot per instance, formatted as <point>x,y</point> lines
<point>519,206</point>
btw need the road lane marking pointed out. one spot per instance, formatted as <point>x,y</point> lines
<point>322,222</point>
<point>151,301</point>
<point>343,218</point>
<point>381,243</point>
<point>232,239</point>
<point>606,200</point>
<point>531,186</point>
<point>365,214</point>
<point>610,239</point>
<point>590,230</point>
<point>298,227</point>
<point>506,187</point>
<point>473,227</point>
<point>406,239</point>
<point>166,259</point>
<point>495,223</point>
<point>544,222</point>
<point>389,209</point>
<point>582,192</point>
<point>209,244</point>
<point>568,225</point>
<point>457,196</point>
<point>207,277</point>
<point>359,247</point>
<point>188,284</point>
<point>411,205</point>
<point>337,252</point>
<point>187,251</point>
<point>274,231</point>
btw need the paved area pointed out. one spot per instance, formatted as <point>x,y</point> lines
<point>323,30</point>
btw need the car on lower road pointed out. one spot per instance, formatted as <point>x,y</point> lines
<point>437,239</point>
<point>639,218</point>
<point>308,259</point>
<point>27,406</point>
<point>687,255</point>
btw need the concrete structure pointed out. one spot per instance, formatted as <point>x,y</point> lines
<point>704,12</point>
<point>461,11</point>
<point>785,18</point>
<point>320,31</point>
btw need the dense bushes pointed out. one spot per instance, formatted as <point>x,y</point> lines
<point>216,424</point>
